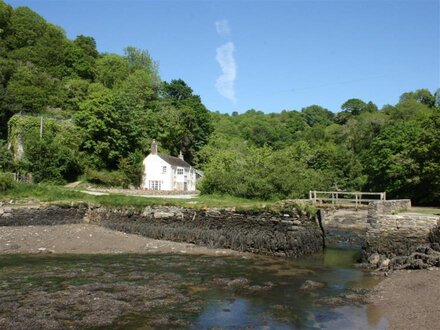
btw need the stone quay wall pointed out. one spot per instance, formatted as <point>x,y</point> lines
<point>283,234</point>
<point>393,231</point>
<point>287,233</point>
<point>42,215</point>
<point>344,226</point>
<point>347,218</point>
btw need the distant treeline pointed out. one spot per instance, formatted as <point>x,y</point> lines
<point>113,106</point>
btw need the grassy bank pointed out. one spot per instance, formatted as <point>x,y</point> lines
<point>425,210</point>
<point>22,193</point>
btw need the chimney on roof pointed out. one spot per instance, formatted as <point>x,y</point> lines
<point>153,150</point>
<point>181,155</point>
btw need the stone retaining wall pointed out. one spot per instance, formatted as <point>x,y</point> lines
<point>287,233</point>
<point>345,218</point>
<point>392,233</point>
<point>388,207</point>
<point>344,227</point>
<point>42,215</point>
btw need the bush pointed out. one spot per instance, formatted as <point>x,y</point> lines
<point>6,161</point>
<point>6,181</point>
<point>106,178</point>
<point>132,168</point>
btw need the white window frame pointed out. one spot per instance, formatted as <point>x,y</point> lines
<point>180,171</point>
<point>154,185</point>
<point>164,169</point>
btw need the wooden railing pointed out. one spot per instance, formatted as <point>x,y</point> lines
<point>340,197</point>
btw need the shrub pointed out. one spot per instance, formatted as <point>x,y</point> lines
<point>6,181</point>
<point>132,168</point>
<point>106,178</point>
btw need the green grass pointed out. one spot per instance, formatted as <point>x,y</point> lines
<point>57,194</point>
<point>226,201</point>
<point>425,210</point>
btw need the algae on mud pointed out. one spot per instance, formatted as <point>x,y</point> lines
<point>173,291</point>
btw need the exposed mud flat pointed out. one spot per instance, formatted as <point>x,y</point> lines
<point>409,299</point>
<point>132,291</point>
<point>90,239</point>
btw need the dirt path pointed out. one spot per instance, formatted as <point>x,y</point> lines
<point>410,299</point>
<point>90,239</point>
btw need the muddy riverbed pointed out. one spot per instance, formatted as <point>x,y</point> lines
<point>131,291</point>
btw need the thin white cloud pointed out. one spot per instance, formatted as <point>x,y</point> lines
<point>225,82</point>
<point>222,28</point>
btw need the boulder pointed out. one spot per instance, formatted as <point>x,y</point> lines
<point>311,285</point>
<point>374,259</point>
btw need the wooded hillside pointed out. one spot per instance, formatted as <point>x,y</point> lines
<point>102,110</point>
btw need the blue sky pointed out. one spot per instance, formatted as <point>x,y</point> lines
<point>270,55</point>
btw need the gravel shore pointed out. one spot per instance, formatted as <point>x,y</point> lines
<point>90,239</point>
<point>409,299</point>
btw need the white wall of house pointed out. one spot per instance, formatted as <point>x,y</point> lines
<point>182,176</point>
<point>159,175</point>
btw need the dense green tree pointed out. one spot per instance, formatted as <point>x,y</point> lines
<point>315,114</point>
<point>423,96</point>
<point>135,100</point>
<point>75,91</point>
<point>184,122</point>
<point>427,154</point>
<point>7,68</point>
<point>353,108</point>
<point>111,69</point>
<point>25,28</point>
<point>52,157</point>
<point>87,44</point>
<point>6,12</point>
<point>359,132</point>
<point>78,62</point>
<point>141,60</point>
<point>28,89</point>
<point>6,158</point>
<point>5,22</point>
<point>100,126</point>
<point>408,110</point>
<point>392,166</point>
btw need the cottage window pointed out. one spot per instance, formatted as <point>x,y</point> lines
<point>180,171</point>
<point>154,185</point>
<point>164,169</point>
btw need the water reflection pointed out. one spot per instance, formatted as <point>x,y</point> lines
<point>286,306</point>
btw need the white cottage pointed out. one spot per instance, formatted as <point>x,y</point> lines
<point>164,172</point>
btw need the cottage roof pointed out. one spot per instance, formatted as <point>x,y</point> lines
<point>174,161</point>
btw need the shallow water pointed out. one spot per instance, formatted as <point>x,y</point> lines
<point>180,291</point>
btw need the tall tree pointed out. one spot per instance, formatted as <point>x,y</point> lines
<point>100,126</point>
<point>423,96</point>
<point>87,44</point>
<point>191,126</point>
<point>315,114</point>
<point>111,69</point>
